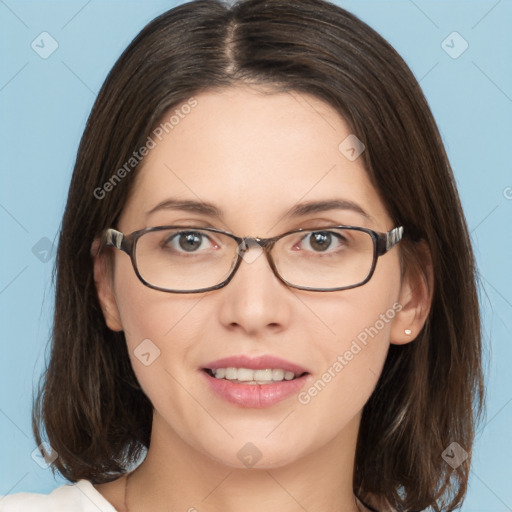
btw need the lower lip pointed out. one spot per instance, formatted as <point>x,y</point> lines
<point>255,395</point>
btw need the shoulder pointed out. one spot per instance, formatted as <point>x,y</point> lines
<point>79,497</point>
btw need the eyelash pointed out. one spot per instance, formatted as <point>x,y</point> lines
<point>203,237</point>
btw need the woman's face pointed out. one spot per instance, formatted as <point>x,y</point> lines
<point>255,157</point>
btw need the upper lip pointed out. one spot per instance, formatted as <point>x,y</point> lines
<point>256,363</point>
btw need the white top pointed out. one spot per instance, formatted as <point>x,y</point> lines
<point>79,497</point>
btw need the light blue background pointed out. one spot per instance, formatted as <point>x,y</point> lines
<point>44,106</point>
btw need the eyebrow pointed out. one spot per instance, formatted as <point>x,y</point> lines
<point>299,210</point>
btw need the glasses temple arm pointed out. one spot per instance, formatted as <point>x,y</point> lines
<point>114,238</point>
<point>389,240</point>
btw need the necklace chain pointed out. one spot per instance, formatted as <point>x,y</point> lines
<point>126,509</point>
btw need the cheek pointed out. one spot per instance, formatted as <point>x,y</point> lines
<point>159,328</point>
<point>144,312</point>
<point>352,342</point>
<point>165,335</point>
<point>167,321</point>
<point>361,314</point>
<point>351,364</point>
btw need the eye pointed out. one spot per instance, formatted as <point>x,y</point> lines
<point>322,241</point>
<point>187,241</point>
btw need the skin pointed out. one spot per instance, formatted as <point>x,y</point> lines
<point>255,156</point>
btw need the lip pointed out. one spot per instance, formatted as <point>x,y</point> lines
<point>256,395</point>
<point>255,363</point>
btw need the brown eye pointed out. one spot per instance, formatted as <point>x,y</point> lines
<point>187,241</point>
<point>321,241</point>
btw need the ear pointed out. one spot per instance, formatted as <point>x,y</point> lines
<point>104,288</point>
<point>415,298</point>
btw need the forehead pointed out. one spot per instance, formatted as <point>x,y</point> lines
<point>255,154</point>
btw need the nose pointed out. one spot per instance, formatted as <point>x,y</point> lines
<point>255,300</point>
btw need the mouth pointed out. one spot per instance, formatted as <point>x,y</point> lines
<point>254,388</point>
<point>251,376</point>
<point>254,381</point>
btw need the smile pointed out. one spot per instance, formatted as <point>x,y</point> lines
<point>250,376</point>
<point>251,392</point>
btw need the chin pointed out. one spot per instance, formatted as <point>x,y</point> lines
<point>256,455</point>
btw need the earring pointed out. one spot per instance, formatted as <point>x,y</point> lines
<point>408,332</point>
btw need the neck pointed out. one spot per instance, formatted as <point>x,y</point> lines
<point>176,476</point>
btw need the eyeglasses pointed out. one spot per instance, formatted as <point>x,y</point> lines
<point>186,259</point>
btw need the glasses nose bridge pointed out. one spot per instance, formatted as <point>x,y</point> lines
<point>266,244</point>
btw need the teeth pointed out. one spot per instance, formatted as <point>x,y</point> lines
<point>253,376</point>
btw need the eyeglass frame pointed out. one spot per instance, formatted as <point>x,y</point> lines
<point>382,243</point>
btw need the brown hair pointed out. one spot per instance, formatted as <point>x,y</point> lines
<point>430,392</point>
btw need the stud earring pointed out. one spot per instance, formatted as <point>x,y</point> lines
<point>408,332</point>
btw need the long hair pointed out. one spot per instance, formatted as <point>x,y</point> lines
<point>89,404</point>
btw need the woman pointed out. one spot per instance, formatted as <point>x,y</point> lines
<point>265,285</point>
